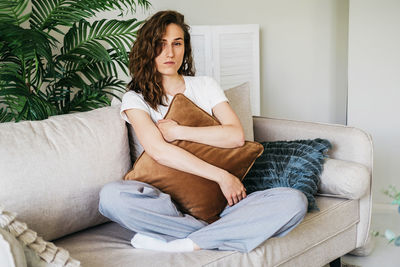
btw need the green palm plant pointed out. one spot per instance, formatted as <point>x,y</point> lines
<point>41,76</point>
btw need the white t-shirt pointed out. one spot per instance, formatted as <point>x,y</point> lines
<point>204,91</point>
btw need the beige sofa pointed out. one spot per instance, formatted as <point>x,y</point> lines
<point>52,171</point>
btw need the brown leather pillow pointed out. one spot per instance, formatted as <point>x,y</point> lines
<point>200,197</point>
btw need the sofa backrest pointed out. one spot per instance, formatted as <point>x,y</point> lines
<point>348,143</point>
<point>51,171</point>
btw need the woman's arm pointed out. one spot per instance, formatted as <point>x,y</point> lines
<point>175,157</point>
<point>227,135</point>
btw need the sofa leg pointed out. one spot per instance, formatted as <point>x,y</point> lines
<point>335,263</point>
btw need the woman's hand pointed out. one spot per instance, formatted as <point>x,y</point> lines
<point>169,129</point>
<point>232,189</point>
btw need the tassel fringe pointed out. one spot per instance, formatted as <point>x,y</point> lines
<point>47,251</point>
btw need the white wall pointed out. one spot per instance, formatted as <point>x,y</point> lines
<point>303,51</point>
<point>374,84</point>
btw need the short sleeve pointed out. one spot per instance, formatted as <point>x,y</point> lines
<point>216,93</point>
<point>131,100</point>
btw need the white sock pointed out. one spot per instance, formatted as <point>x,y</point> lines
<point>147,242</point>
<point>180,245</point>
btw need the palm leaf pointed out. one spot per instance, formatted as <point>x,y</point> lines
<point>26,43</point>
<point>13,11</point>
<point>72,81</point>
<point>25,53</point>
<point>58,96</point>
<point>5,116</point>
<point>19,97</point>
<point>39,108</point>
<point>48,14</point>
<point>86,100</point>
<point>91,96</point>
<point>32,107</point>
<point>11,80</point>
<point>76,44</point>
<point>108,85</point>
<point>34,83</point>
<point>96,70</point>
<point>83,39</point>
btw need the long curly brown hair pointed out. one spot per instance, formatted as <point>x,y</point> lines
<point>145,77</point>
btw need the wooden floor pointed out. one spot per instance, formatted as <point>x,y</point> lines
<point>383,255</point>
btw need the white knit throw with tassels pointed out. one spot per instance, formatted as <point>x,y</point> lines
<point>44,249</point>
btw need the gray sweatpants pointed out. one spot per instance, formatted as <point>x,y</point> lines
<point>143,208</point>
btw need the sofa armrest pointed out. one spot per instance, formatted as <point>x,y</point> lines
<point>349,144</point>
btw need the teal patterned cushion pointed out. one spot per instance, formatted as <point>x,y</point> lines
<point>297,164</point>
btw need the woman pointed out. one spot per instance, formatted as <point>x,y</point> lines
<point>161,66</point>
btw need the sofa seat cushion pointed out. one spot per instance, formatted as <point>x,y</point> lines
<point>109,244</point>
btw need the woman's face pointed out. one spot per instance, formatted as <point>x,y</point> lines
<point>172,48</point>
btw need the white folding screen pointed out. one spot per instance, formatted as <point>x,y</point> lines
<point>230,54</point>
<point>202,50</point>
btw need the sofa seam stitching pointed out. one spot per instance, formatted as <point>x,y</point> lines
<point>317,244</point>
<point>335,207</point>
<point>215,260</point>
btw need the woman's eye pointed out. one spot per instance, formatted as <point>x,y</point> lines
<point>177,44</point>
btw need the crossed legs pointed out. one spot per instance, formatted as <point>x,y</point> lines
<point>146,210</point>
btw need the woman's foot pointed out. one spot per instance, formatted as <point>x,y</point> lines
<point>195,246</point>
<point>177,245</point>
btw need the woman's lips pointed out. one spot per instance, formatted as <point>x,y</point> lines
<point>169,63</point>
